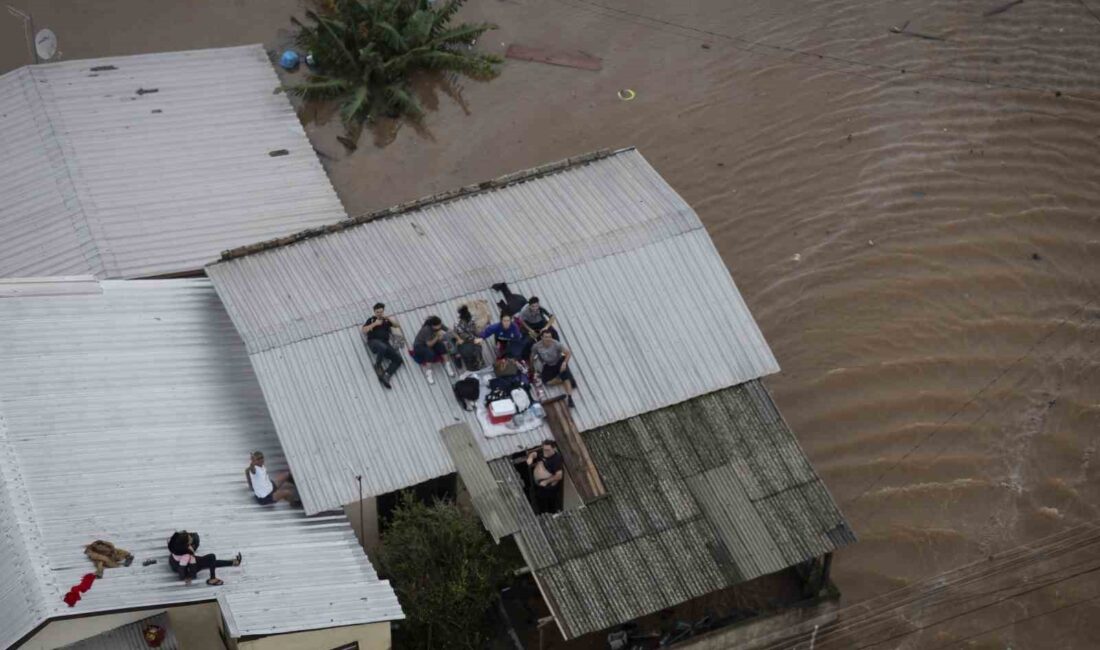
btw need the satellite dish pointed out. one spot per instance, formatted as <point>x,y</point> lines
<point>45,44</point>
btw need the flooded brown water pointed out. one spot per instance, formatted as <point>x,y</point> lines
<point>913,217</point>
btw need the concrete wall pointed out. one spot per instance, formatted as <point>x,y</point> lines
<point>375,636</point>
<point>196,626</point>
<point>62,633</point>
<point>369,539</point>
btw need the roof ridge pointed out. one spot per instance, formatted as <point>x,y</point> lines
<point>500,182</point>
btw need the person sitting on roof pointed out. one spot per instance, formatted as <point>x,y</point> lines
<point>183,560</point>
<point>547,469</point>
<point>429,348</point>
<point>379,330</point>
<point>509,337</point>
<point>267,489</point>
<point>554,358</point>
<point>534,319</point>
<point>467,342</point>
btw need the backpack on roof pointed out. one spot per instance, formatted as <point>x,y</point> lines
<point>467,390</point>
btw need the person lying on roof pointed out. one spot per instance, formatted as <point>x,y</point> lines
<point>187,564</point>
<point>510,339</point>
<point>267,489</point>
<point>429,348</point>
<point>379,329</point>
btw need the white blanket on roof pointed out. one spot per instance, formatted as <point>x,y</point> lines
<point>505,428</point>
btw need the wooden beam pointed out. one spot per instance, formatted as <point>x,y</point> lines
<point>573,450</point>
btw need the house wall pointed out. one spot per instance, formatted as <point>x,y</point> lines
<point>196,626</point>
<point>367,535</point>
<point>62,633</point>
<point>375,636</point>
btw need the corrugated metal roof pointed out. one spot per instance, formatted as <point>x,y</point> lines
<point>130,414</point>
<point>680,519</point>
<point>97,177</point>
<point>485,492</point>
<point>129,637</point>
<point>596,242</point>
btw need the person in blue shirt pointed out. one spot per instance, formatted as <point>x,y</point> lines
<point>508,336</point>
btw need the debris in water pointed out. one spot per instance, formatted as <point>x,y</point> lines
<point>870,242</point>
<point>1036,257</point>
<point>103,68</point>
<point>289,60</point>
<point>278,152</point>
<point>347,142</point>
<point>147,91</point>
<point>705,46</point>
<point>904,31</point>
<point>1000,9</point>
<point>577,59</point>
<point>157,110</point>
<point>627,94</point>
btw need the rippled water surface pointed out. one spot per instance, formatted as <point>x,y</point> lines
<point>913,217</point>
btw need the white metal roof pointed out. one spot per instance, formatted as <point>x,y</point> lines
<point>642,296</point>
<point>126,414</point>
<point>99,178</point>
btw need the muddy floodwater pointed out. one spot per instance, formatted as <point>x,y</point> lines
<point>906,192</point>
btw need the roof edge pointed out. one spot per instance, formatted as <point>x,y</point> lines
<point>500,182</point>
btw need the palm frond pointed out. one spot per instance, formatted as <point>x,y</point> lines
<point>320,87</point>
<point>355,109</point>
<point>418,29</point>
<point>401,101</point>
<point>390,36</point>
<point>444,14</point>
<point>463,34</point>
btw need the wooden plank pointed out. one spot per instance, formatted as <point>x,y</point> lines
<point>574,59</point>
<point>574,451</point>
<point>490,499</point>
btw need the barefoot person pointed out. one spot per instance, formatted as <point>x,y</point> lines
<point>268,488</point>
<point>185,562</point>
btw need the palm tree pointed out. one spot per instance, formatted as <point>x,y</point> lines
<point>365,51</point>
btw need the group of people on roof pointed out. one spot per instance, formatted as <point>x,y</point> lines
<point>525,332</point>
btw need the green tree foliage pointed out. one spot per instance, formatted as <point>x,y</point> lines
<point>446,572</point>
<point>365,52</point>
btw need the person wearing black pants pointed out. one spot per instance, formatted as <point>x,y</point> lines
<point>547,469</point>
<point>187,564</point>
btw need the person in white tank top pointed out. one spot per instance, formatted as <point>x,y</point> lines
<point>268,489</point>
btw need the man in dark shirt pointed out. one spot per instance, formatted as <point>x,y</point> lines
<point>548,470</point>
<point>378,330</point>
<point>535,319</point>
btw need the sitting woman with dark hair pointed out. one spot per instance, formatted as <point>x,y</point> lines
<point>185,562</point>
<point>467,341</point>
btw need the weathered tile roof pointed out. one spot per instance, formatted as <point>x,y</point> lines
<point>702,495</point>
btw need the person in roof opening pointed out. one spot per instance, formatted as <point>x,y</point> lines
<point>509,336</point>
<point>267,489</point>
<point>428,347</point>
<point>187,564</point>
<point>534,319</point>
<point>379,330</point>
<point>547,470</point>
<point>467,342</point>
<point>554,359</point>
